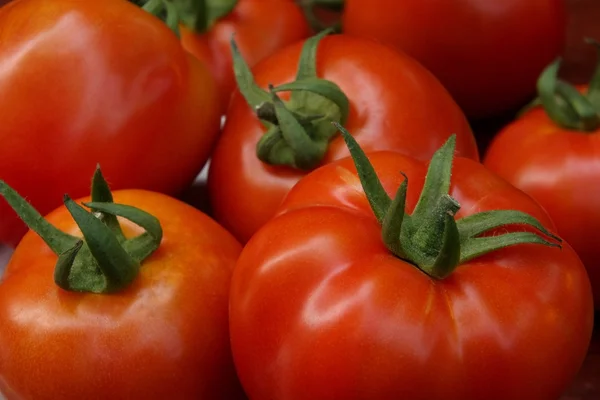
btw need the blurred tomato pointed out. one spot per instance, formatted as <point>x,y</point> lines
<point>488,53</point>
<point>394,104</point>
<point>87,82</point>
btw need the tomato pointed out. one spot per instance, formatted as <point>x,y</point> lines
<point>559,166</point>
<point>162,335</point>
<point>261,27</point>
<point>323,305</point>
<point>87,82</point>
<point>391,103</point>
<point>487,54</point>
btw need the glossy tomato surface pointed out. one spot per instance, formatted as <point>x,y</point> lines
<point>261,27</point>
<point>395,104</point>
<point>487,53</point>
<point>87,82</point>
<point>165,336</point>
<point>320,309</point>
<point>561,170</point>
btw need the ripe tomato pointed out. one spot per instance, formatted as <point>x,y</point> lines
<point>393,103</point>
<point>559,166</point>
<point>488,54</point>
<point>164,335</point>
<point>261,27</point>
<point>84,82</point>
<point>322,308</point>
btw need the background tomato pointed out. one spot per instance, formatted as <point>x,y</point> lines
<point>488,54</point>
<point>84,82</point>
<point>560,168</point>
<point>260,26</point>
<point>164,336</point>
<point>321,309</point>
<point>394,104</point>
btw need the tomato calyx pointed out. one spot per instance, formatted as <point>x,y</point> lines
<point>566,105</point>
<point>431,238</point>
<point>298,130</point>
<point>106,262</point>
<point>196,15</point>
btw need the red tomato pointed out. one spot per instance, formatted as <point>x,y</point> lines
<point>261,27</point>
<point>487,53</point>
<point>164,336</point>
<point>394,104</point>
<point>560,168</point>
<point>87,82</point>
<point>321,309</point>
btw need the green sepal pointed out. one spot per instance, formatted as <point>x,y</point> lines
<point>431,238</point>
<point>58,241</point>
<point>298,131</point>
<point>104,262</point>
<point>115,267</point>
<point>101,194</point>
<point>142,246</point>
<point>391,219</point>
<point>253,94</point>
<point>566,105</point>
<point>376,195</point>
<point>196,15</point>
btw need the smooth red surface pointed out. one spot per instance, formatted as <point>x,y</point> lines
<point>488,53</point>
<point>166,336</point>
<point>87,82</point>
<point>395,104</point>
<point>561,170</point>
<point>321,310</point>
<point>261,27</point>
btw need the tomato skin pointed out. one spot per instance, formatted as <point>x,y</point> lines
<point>395,104</point>
<point>319,309</point>
<point>257,33</point>
<point>97,82</point>
<point>560,169</point>
<point>166,336</point>
<point>487,54</point>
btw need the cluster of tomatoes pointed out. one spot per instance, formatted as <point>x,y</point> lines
<point>356,246</point>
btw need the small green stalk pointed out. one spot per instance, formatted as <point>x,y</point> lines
<point>564,104</point>
<point>298,131</point>
<point>196,15</point>
<point>431,238</point>
<point>105,261</point>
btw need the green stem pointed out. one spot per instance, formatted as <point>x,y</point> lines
<point>196,15</point>
<point>564,104</point>
<point>106,262</point>
<point>154,7</point>
<point>298,131</point>
<point>431,238</point>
